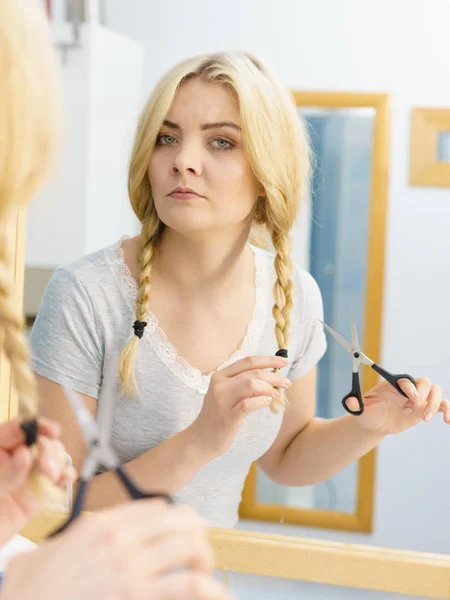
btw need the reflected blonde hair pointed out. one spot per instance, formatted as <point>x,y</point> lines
<point>30,120</point>
<point>277,148</point>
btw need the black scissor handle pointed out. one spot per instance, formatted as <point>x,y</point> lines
<point>132,489</point>
<point>76,509</point>
<point>355,393</point>
<point>136,493</point>
<point>393,379</point>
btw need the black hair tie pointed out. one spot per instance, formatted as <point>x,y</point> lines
<point>283,353</point>
<point>139,327</point>
<point>30,429</point>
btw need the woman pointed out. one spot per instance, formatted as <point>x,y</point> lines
<point>146,539</point>
<point>220,154</point>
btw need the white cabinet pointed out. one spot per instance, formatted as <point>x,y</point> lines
<point>85,205</point>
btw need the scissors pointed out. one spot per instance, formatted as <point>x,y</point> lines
<point>96,431</point>
<point>360,358</point>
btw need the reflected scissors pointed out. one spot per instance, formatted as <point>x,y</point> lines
<point>96,431</point>
<point>360,358</point>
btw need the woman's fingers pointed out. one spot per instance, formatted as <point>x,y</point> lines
<point>146,520</point>
<point>412,392</point>
<point>445,409</point>
<point>11,435</point>
<point>68,476</point>
<point>352,404</point>
<point>257,384</point>
<point>274,379</point>
<point>248,405</point>
<point>50,429</point>
<point>251,363</point>
<point>14,468</point>
<point>426,398</point>
<point>434,401</point>
<point>176,549</point>
<point>177,518</point>
<point>52,458</point>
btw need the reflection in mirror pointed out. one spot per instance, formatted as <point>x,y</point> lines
<point>341,141</point>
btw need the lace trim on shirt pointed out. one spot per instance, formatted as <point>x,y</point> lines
<point>157,338</point>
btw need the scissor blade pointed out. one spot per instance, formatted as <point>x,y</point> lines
<point>337,337</point>
<point>85,420</point>
<point>366,360</point>
<point>355,339</point>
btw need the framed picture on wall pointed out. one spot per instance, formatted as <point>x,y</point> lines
<point>430,147</point>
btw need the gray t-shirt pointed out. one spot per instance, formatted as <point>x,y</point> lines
<point>86,318</point>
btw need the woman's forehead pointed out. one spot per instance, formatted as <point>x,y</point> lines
<point>199,102</point>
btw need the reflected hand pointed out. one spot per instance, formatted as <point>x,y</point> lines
<point>387,411</point>
<point>234,392</point>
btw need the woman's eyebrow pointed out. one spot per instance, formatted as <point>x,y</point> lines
<point>216,125</point>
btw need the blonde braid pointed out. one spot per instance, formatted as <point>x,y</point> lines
<point>16,350</point>
<point>14,343</point>
<point>127,365</point>
<point>283,293</point>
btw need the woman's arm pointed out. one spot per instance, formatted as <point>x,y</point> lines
<point>309,449</point>
<point>234,392</point>
<point>165,468</point>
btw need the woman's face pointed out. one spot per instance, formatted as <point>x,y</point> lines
<point>200,148</point>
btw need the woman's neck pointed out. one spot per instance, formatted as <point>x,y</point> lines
<point>205,266</point>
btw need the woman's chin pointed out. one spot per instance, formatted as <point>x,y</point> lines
<point>188,224</point>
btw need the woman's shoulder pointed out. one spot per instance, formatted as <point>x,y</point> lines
<point>99,275</point>
<point>85,293</point>
<point>93,267</point>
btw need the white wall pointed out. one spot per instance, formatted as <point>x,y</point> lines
<point>401,47</point>
<point>62,201</point>
<point>85,206</point>
<point>115,81</point>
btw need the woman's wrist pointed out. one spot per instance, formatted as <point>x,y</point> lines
<point>197,446</point>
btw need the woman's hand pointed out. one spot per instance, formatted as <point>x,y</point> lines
<point>18,502</point>
<point>387,411</point>
<point>235,392</point>
<point>139,550</point>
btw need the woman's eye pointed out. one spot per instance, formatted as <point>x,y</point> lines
<point>166,140</point>
<point>222,144</point>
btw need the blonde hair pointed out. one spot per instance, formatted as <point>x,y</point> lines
<point>29,126</point>
<point>277,148</point>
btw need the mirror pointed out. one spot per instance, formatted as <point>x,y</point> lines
<point>330,240</point>
<point>361,503</point>
<point>348,181</point>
